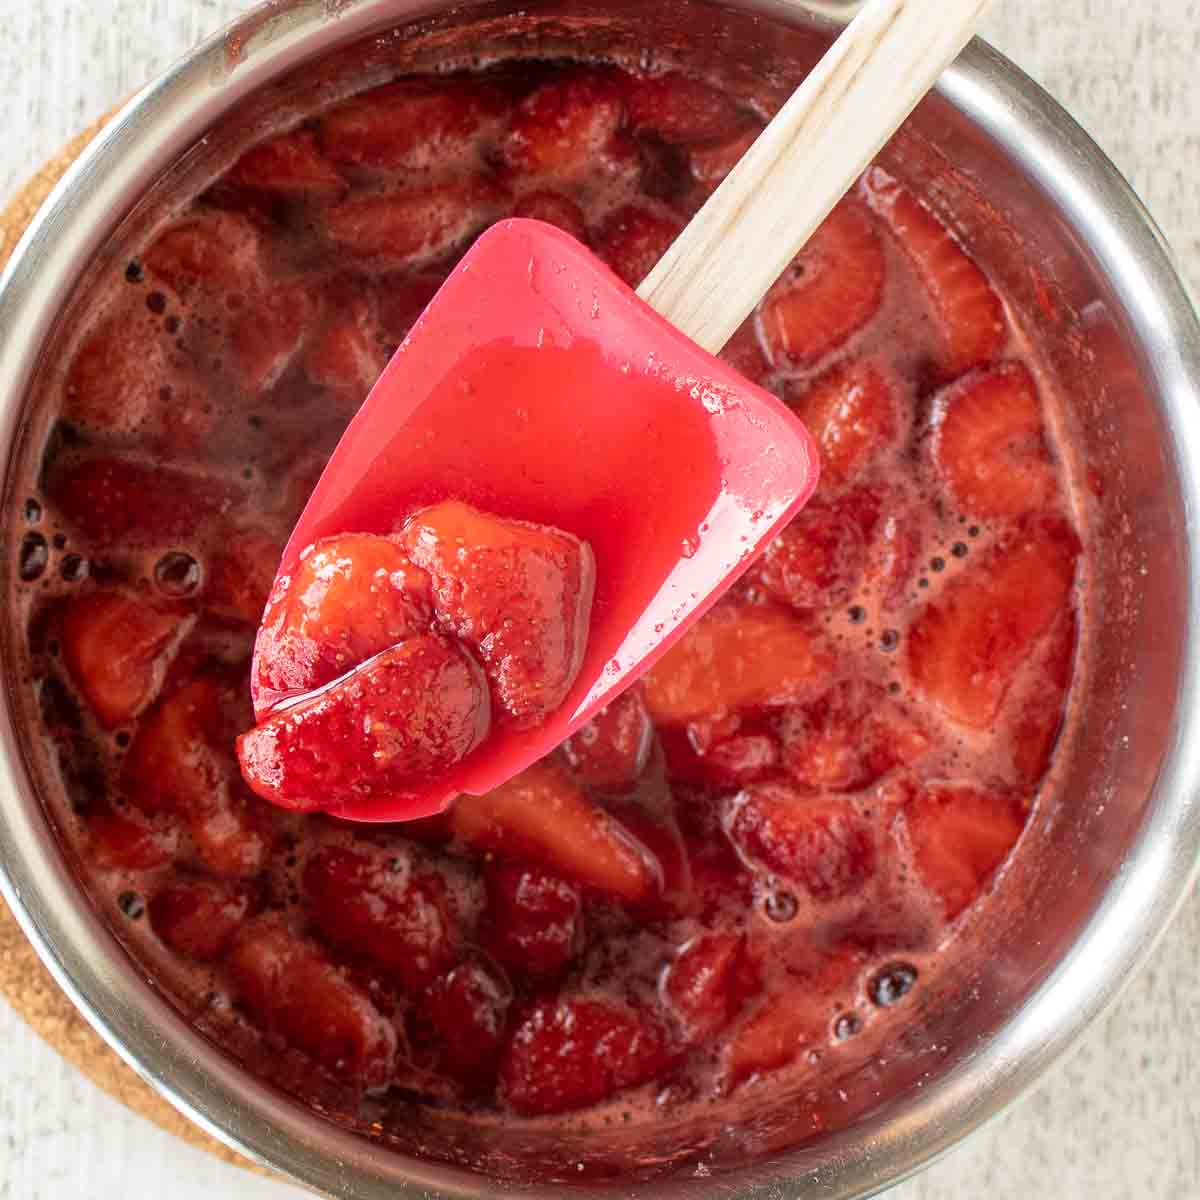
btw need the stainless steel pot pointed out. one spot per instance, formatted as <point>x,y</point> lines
<point>1104,870</point>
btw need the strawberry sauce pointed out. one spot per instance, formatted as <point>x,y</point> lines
<point>748,868</point>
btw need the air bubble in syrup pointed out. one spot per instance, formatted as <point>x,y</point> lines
<point>33,511</point>
<point>131,904</point>
<point>74,568</point>
<point>891,984</point>
<point>780,907</point>
<point>35,554</point>
<point>846,1026</point>
<point>177,574</point>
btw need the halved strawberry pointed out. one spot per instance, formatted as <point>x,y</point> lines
<point>555,209</point>
<point>412,122</point>
<point>417,224</point>
<point>349,598</point>
<point>519,594</point>
<point>709,981</point>
<point>959,835</point>
<point>634,238</point>
<point>230,837</point>
<point>820,842</point>
<point>1040,709</point>
<point>268,334</point>
<point>725,752</point>
<point>853,414</point>
<point>681,108</point>
<point>469,1008</point>
<point>966,646</point>
<point>735,657</point>
<point>894,552</point>
<point>989,443</point>
<point>832,289</point>
<point>346,357</point>
<point>297,994</point>
<point>122,840</point>
<point>291,164</point>
<point>241,574</point>
<point>568,126</point>
<point>534,920</point>
<point>384,906</point>
<point>215,250</point>
<point>198,917</point>
<point>611,750</point>
<point>391,723</point>
<point>543,815</point>
<point>970,314</point>
<point>711,163</point>
<point>115,646</point>
<point>573,1052</point>
<point>850,737</point>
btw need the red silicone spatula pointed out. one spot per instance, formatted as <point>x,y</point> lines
<point>538,386</point>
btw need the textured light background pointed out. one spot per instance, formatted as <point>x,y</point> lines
<point>1121,1119</point>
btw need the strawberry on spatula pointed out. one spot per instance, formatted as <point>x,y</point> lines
<point>564,461</point>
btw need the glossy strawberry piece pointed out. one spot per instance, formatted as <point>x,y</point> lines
<point>240,576</point>
<point>735,657</point>
<point>989,443</point>
<point>568,126</point>
<point>555,209</point>
<point>707,984</point>
<point>115,646</point>
<point>611,750</point>
<point>123,840</point>
<point>346,357</point>
<point>680,108</point>
<point>211,250</point>
<point>264,342</point>
<point>412,122</point>
<point>543,815</point>
<point>291,164</point>
<point>519,594</point>
<point>970,314</point>
<point>572,1052</point>
<point>350,597</point>
<point>420,223</point>
<point>199,917</point>
<point>1040,713</point>
<point>534,920</point>
<point>298,995</point>
<point>853,414</point>
<point>379,731</point>
<point>469,1008</point>
<point>965,647</point>
<point>231,836</point>
<point>820,843</point>
<point>712,162</point>
<point>850,737</point>
<point>634,238</point>
<point>384,907</point>
<point>959,835</point>
<point>832,290</point>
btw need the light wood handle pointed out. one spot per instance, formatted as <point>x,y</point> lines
<point>804,162</point>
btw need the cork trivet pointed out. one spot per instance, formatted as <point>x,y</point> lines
<point>24,982</point>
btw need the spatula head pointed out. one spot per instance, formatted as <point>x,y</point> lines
<point>537,386</point>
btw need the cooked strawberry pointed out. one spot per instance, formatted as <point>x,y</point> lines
<point>241,574</point>
<point>708,982</point>
<point>115,646</point>
<point>704,753</point>
<point>1040,710</point>
<point>720,883</point>
<point>298,995</point>
<point>416,224</point>
<point>850,737</point>
<point>989,443</point>
<point>115,500</point>
<point>198,917</point>
<point>469,1008</point>
<point>217,250</point>
<point>390,724</point>
<point>534,920</point>
<point>831,290</point>
<point>853,414</point>
<point>966,646</point>
<point>735,657</point>
<point>970,315</point>
<point>894,552</point>
<point>544,816</point>
<point>402,299</point>
<point>291,164</point>
<point>346,356</point>
<point>711,163</point>
<point>680,108</point>
<point>798,1020</point>
<point>270,332</point>
<point>349,598</point>
<point>519,594</point>
<point>571,1052</point>
<point>819,842</point>
<point>230,838</point>
<point>123,840</point>
<point>412,122</point>
<point>611,750</point>
<point>744,353</point>
<point>555,209</point>
<point>385,907</point>
<point>634,238</point>
<point>959,835</point>
<point>658,831</point>
<point>568,126</point>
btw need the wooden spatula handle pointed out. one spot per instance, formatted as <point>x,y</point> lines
<point>805,160</point>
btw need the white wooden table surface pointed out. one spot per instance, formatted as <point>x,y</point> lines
<point>1121,1119</point>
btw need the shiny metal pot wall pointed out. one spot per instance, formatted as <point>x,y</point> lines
<point>1101,873</point>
